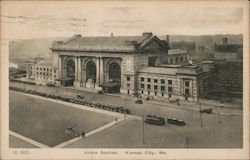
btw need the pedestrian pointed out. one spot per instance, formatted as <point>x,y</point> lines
<point>83,133</point>
<point>116,119</point>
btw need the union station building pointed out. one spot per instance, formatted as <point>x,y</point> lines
<point>129,64</point>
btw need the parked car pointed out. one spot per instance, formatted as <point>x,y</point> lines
<point>79,96</point>
<point>155,120</point>
<point>50,85</point>
<point>175,121</point>
<point>100,92</point>
<point>207,110</point>
<point>138,101</point>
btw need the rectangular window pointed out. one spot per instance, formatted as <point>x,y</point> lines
<point>155,80</point>
<point>155,87</point>
<point>47,74</point>
<point>54,76</point>
<point>128,85</point>
<point>162,88</point>
<point>128,78</point>
<point>142,79</point>
<point>187,83</point>
<point>50,74</point>
<point>169,82</point>
<point>162,81</point>
<point>149,80</point>
<point>37,72</point>
<point>37,68</point>
<point>187,91</point>
<point>170,89</point>
<point>40,73</point>
<point>50,70</point>
<point>149,86</point>
<point>142,86</point>
<point>43,69</point>
<point>47,69</point>
<point>55,71</point>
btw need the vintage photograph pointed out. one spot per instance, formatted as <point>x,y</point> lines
<point>118,75</point>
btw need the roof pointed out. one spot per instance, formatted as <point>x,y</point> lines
<point>110,44</point>
<point>228,48</point>
<point>159,70</point>
<point>176,51</point>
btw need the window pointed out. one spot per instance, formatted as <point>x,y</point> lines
<point>181,59</point>
<point>169,82</point>
<point>162,81</point>
<point>149,86</point>
<point>128,78</point>
<point>142,86</point>
<point>40,73</point>
<point>155,87</point>
<point>142,79</point>
<point>47,69</point>
<point>50,70</point>
<point>170,89</point>
<point>44,73</point>
<point>149,80</point>
<point>37,72</point>
<point>43,69</point>
<point>176,60</point>
<point>50,74</point>
<point>128,85</point>
<point>163,88</point>
<point>186,91</point>
<point>37,68</point>
<point>187,83</point>
<point>55,71</point>
<point>155,80</point>
<point>47,74</point>
<point>54,76</point>
<point>171,60</point>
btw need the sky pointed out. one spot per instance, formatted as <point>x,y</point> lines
<point>33,20</point>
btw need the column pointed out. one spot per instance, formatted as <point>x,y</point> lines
<point>60,67</point>
<point>77,82</point>
<point>101,71</point>
<point>97,71</point>
<point>79,69</point>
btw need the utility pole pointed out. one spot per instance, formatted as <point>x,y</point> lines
<point>200,115</point>
<point>143,134</point>
<point>219,121</point>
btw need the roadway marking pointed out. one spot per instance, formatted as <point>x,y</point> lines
<point>26,139</point>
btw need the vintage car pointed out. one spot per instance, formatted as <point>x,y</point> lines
<point>175,121</point>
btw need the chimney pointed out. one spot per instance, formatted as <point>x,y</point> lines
<point>147,34</point>
<point>167,38</point>
<point>112,35</point>
<point>224,41</point>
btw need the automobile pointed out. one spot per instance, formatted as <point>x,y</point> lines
<point>50,85</point>
<point>175,121</point>
<point>100,92</point>
<point>138,101</point>
<point>207,110</point>
<point>79,96</point>
<point>155,120</point>
<point>127,111</point>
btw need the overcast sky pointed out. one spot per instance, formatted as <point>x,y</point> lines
<point>22,21</point>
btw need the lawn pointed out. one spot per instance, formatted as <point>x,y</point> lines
<point>45,121</point>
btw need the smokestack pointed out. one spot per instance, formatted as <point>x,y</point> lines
<point>224,41</point>
<point>167,38</point>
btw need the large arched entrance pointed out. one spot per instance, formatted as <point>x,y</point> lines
<point>70,73</point>
<point>91,71</point>
<point>114,72</point>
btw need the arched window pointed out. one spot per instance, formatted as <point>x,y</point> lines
<point>70,69</point>
<point>114,72</point>
<point>91,71</point>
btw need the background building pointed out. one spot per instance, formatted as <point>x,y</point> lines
<point>42,72</point>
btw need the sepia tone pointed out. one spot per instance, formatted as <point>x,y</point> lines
<point>128,80</point>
